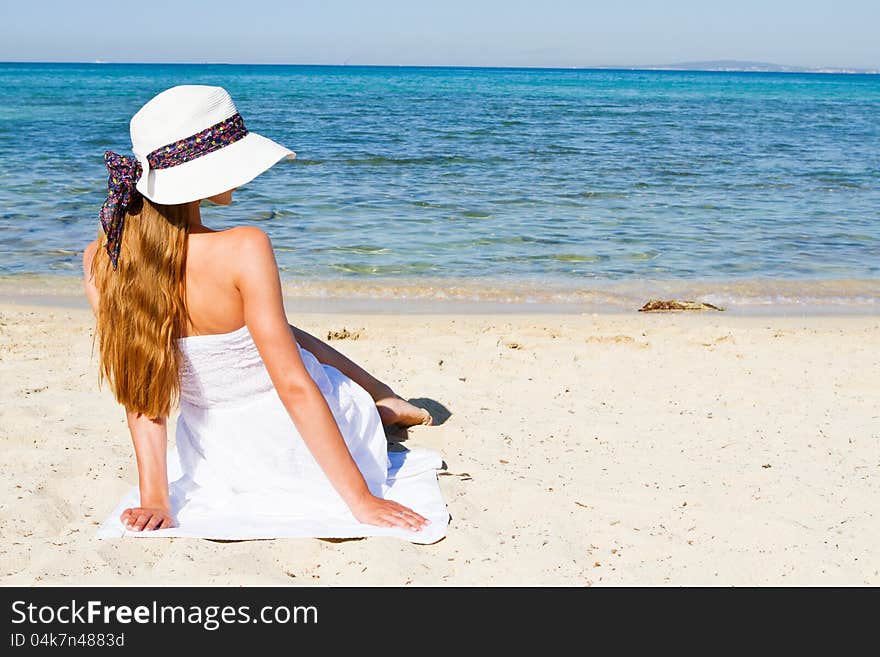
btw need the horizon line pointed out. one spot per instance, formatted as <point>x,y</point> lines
<point>678,66</point>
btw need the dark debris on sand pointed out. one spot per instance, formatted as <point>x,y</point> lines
<point>656,305</point>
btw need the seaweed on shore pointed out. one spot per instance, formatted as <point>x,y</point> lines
<point>344,334</point>
<point>656,305</point>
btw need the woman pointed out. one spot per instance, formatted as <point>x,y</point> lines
<point>271,417</point>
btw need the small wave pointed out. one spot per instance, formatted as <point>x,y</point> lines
<point>574,257</point>
<point>442,160</point>
<point>836,182</point>
<point>356,249</point>
<point>557,257</point>
<point>520,200</point>
<point>561,149</point>
<point>384,270</point>
<point>594,194</point>
<point>428,204</point>
<point>679,174</point>
<point>272,213</point>
<point>835,178</point>
<point>640,256</point>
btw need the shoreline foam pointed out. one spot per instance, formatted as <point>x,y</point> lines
<point>769,297</point>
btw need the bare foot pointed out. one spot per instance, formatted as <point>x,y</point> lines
<point>396,410</point>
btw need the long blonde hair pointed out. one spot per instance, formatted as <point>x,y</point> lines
<point>142,307</point>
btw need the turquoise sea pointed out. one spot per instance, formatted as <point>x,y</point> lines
<point>500,184</point>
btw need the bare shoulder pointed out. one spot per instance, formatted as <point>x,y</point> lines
<point>223,254</point>
<point>248,236</point>
<point>251,256</point>
<point>249,244</point>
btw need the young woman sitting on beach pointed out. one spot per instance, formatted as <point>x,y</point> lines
<point>272,419</point>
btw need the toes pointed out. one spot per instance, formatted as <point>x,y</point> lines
<point>400,411</point>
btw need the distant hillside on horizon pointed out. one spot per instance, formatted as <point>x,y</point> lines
<point>757,67</point>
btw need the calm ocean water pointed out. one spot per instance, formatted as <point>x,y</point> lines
<point>519,184</point>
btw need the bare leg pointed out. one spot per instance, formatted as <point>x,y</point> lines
<point>393,409</point>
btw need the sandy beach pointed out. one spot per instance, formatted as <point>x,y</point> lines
<point>582,449</point>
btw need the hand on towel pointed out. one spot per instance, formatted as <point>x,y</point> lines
<point>149,518</point>
<point>387,513</point>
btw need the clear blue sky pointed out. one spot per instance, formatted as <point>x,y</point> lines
<point>843,33</point>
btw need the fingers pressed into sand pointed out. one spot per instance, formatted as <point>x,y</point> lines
<point>129,518</point>
<point>154,522</point>
<point>141,521</point>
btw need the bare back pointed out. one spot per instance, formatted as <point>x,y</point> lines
<point>232,280</point>
<point>212,297</point>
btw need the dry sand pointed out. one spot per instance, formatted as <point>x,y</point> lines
<point>581,450</point>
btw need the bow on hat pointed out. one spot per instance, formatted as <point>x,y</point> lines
<point>124,174</point>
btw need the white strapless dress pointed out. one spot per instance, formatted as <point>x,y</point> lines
<point>241,469</point>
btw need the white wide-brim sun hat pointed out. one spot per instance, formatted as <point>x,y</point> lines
<point>179,113</point>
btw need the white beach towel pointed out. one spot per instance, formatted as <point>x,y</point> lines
<point>412,480</point>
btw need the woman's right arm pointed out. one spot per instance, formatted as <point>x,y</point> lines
<point>150,438</point>
<point>259,283</point>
